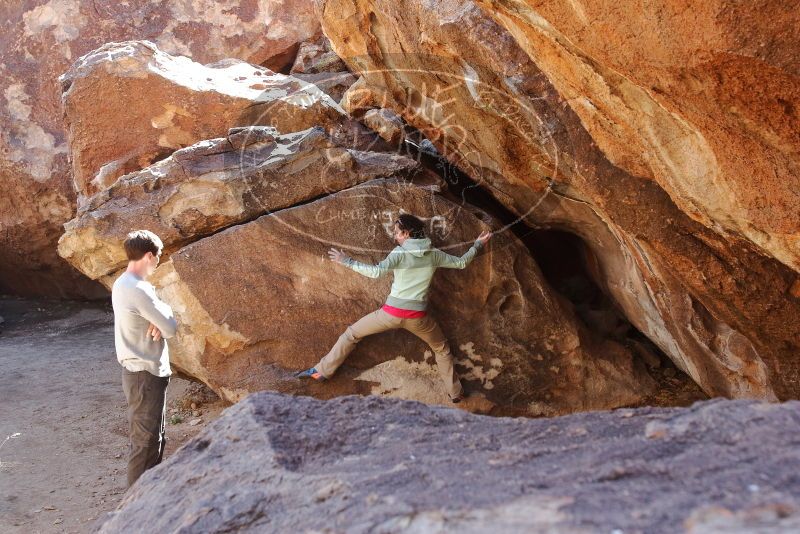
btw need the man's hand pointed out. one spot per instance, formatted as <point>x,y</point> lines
<point>484,237</point>
<point>154,332</point>
<point>336,255</point>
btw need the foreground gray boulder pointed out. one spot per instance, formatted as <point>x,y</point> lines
<point>275,463</point>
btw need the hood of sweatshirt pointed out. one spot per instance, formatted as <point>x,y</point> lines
<point>417,247</point>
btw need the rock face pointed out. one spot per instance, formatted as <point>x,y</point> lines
<point>258,301</point>
<point>386,123</point>
<point>255,301</point>
<point>246,220</point>
<point>332,84</point>
<point>316,63</point>
<point>154,104</point>
<point>684,113</point>
<point>361,98</point>
<point>315,56</point>
<point>680,177</point>
<point>355,464</point>
<point>215,184</point>
<point>41,39</point>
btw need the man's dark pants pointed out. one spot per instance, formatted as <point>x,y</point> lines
<point>146,395</point>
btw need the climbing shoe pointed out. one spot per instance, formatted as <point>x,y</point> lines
<point>458,398</point>
<point>310,373</point>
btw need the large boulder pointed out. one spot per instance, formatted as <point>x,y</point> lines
<point>650,144</point>
<point>214,184</point>
<point>277,463</point>
<point>40,40</point>
<point>154,103</point>
<point>246,220</point>
<point>260,300</point>
<point>706,105</point>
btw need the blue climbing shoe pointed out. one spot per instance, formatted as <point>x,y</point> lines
<point>310,373</point>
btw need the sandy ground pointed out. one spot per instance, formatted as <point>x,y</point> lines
<point>60,396</point>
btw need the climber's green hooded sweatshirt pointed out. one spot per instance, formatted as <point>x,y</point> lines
<point>413,264</point>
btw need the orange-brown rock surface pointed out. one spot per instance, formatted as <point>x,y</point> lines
<point>258,301</point>
<point>666,136</point>
<point>215,184</point>
<point>154,103</point>
<point>701,97</point>
<point>40,40</point>
<point>246,220</point>
<point>315,56</point>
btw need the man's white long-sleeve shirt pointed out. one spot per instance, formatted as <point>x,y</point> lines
<point>135,307</point>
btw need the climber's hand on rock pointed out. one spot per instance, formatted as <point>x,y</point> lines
<point>154,332</point>
<point>336,255</point>
<point>485,237</point>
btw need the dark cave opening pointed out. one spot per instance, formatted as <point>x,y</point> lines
<point>563,258</point>
<point>566,261</point>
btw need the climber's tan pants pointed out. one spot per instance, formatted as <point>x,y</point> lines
<point>379,321</point>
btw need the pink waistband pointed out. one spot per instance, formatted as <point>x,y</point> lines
<point>400,312</point>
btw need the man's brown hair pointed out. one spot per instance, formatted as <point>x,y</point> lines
<point>140,242</point>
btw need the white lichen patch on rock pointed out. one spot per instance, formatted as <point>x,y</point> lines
<point>210,196</point>
<point>256,31</point>
<point>16,102</point>
<point>62,18</point>
<point>35,148</point>
<point>478,372</point>
<point>402,379</point>
<point>173,136</point>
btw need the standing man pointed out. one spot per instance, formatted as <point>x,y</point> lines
<point>141,322</point>
<point>413,263</point>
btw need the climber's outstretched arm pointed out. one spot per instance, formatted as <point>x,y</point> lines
<point>442,259</point>
<point>372,271</point>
